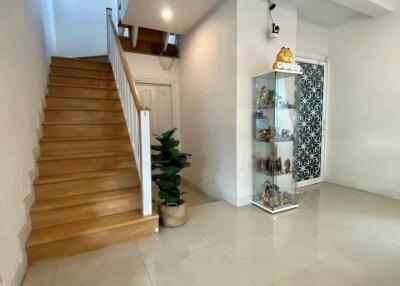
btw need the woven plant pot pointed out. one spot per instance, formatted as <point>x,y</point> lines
<point>174,216</point>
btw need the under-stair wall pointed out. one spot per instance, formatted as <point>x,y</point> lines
<point>23,77</point>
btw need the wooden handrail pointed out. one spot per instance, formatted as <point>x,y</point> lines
<point>128,73</point>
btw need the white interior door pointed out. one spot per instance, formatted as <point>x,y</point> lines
<point>159,98</point>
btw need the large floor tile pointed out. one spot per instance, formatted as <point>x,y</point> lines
<point>220,221</point>
<point>137,277</point>
<point>318,274</point>
<point>205,266</point>
<point>369,262</point>
<point>96,265</point>
<point>171,243</point>
<point>263,258</point>
<point>40,275</point>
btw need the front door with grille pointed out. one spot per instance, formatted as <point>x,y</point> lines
<point>310,134</point>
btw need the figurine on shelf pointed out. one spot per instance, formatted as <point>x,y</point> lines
<point>285,55</point>
<point>269,136</point>
<point>263,97</point>
<point>258,115</point>
<point>285,134</point>
<point>287,198</point>
<point>281,199</point>
<point>258,163</point>
<point>285,61</point>
<point>288,166</point>
<point>278,166</point>
<point>283,104</point>
<point>261,135</point>
<point>271,195</point>
<point>270,165</point>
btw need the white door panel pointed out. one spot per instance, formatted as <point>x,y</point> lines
<point>159,99</point>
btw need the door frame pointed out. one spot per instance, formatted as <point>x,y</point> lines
<point>175,99</point>
<point>324,61</point>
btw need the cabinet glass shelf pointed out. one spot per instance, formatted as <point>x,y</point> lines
<point>274,164</point>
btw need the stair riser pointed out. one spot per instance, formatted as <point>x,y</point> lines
<point>86,186</point>
<point>97,59</point>
<point>69,147</point>
<point>89,242</point>
<point>77,213</point>
<point>81,72</point>
<point>63,131</point>
<point>82,92</point>
<point>76,81</point>
<point>83,104</point>
<point>81,64</point>
<point>84,165</point>
<point>84,116</point>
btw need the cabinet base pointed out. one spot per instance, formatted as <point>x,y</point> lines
<point>276,210</point>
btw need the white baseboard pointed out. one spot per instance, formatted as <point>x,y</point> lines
<point>389,194</point>
<point>19,274</point>
<point>235,201</point>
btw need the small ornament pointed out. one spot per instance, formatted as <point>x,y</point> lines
<point>288,166</point>
<point>285,61</point>
<point>278,166</point>
<point>264,98</point>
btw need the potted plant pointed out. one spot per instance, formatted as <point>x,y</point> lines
<point>167,164</point>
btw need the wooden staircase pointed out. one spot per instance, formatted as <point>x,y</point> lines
<point>88,192</point>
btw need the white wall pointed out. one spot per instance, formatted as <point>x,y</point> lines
<point>49,27</point>
<point>208,101</point>
<point>23,73</point>
<point>312,39</point>
<point>363,138</point>
<point>147,68</point>
<point>81,26</point>
<point>255,54</point>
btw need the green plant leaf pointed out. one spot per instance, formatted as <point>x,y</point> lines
<point>167,163</point>
<point>168,134</point>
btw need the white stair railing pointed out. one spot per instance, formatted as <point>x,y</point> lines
<point>137,116</point>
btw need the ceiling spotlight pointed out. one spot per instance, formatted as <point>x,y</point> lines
<point>166,13</point>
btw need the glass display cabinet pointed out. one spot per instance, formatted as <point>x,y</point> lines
<point>274,163</point>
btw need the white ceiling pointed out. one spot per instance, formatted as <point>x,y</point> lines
<point>186,13</point>
<point>327,13</point>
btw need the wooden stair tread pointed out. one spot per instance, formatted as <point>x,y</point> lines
<point>63,202</point>
<point>82,228</point>
<point>81,63</point>
<point>79,59</point>
<point>82,86</point>
<point>72,156</point>
<point>51,179</point>
<point>83,98</point>
<point>88,110</point>
<point>99,58</point>
<point>80,68</point>
<point>52,74</point>
<point>62,139</point>
<point>82,123</point>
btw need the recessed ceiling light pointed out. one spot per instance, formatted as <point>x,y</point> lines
<point>166,13</point>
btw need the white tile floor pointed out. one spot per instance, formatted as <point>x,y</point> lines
<point>337,237</point>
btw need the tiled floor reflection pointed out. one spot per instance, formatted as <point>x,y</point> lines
<point>338,236</point>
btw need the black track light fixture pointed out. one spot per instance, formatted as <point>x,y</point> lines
<point>272,5</point>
